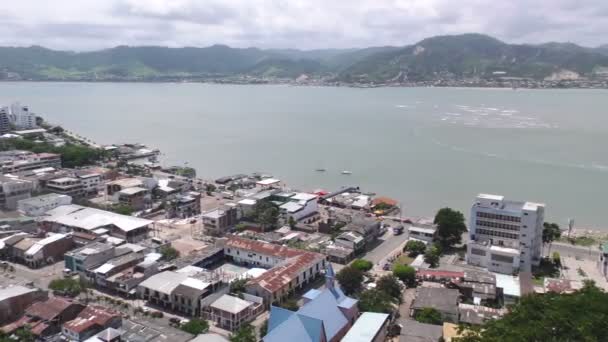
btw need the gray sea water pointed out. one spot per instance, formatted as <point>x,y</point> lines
<point>427,147</point>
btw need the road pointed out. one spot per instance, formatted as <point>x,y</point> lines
<point>580,252</point>
<point>389,244</point>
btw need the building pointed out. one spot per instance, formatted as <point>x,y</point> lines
<point>219,221</point>
<point>96,222</point>
<point>351,240</point>
<point>15,299</point>
<point>90,256</point>
<point>5,125</point>
<point>90,182</point>
<point>114,188</point>
<point>325,316</point>
<point>37,206</point>
<point>136,198</point>
<point>424,234</point>
<point>369,327</point>
<point>69,186</point>
<point>368,229</point>
<point>21,117</point>
<point>45,318</point>
<point>508,287</point>
<point>175,291</point>
<point>290,269</point>
<point>478,314</point>
<point>441,299</point>
<point>602,262</point>
<point>48,250</point>
<point>230,313</point>
<point>478,287</point>
<point>126,281</point>
<point>101,274</point>
<point>184,206</point>
<point>12,191</point>
<point>413,331</point>
<point>92,320</point>
<point>31,161</point>
<point>299,206</point>
<point>505,236</point>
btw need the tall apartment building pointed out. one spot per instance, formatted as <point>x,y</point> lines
<point>21,117</point>
<point>505,236</point>
<point>5,125</point>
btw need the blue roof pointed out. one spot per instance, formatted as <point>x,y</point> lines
<point>347,303</point>
<point>325,307</point>
<point>311,294</point>
<point>293,327</point>
<point>277,316</point>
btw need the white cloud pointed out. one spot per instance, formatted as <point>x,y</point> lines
<point>93,24</point>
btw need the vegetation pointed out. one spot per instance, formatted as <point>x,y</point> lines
<point>264,328</point>
<point>169,253</point>
<point>551,232</point>
<point>195,326</point>
<point>556,258</point>
<point>238,286</point>
<point>266,214</point>
<point>374,300</point>
<point>428,316</point>
<point>245,333</point>
<point>23,334</point>
<point>72,155</point>
<point>350,279</point>
<point>362,265</point>
<point>290,304</point>
<point>580,316</point>
<point>431,256</point>
<point>291,222</point>
<point>210,188</point>
<point>405,273</point>
<point>414,248</point>
<point>68,286</point>
<point>450,227</point>
<point>123,209</point>
<point>390,285</point>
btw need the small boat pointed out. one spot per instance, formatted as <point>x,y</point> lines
<point>346,172</point>
<point>320,170</point>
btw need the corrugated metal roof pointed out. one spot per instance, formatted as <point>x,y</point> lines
<point>366,327</point>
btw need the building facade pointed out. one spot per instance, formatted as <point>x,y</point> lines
<point>505,236</point>
<point>37,206</point>
<point>21,117</point>
<point>12,191</point>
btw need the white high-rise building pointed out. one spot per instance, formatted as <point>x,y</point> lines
<point>505,236</point>
<point>21,117</point>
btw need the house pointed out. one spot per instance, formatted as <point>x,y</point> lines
<point>113,266</point>
<point>66,186</point>
<point>290,269</point>
<point>351,240</point>
<point>478,286</point>
<point>107,335</point>
<point>441,299</point>
<point>230,313</point>
<point>15,299</point>
<point>218,221</point>
<point>137,198</point>
<point>508,287</point>
<point>126,281</point>
<point>299,206</point>
<point>413,331</point>
<point>88,257</point>
<point>77,218</point>
<point>369,327</point>
<point>90,182</point>
<point>175,291</point>
<point>424,234</point>
<point>478,314</point>
<point>325,316</point>
<point>367,228</point>
<point>48,250</point>
<point>13,190</point>
<point>37,206</point>
<point>184,206</point>
<point>46,317</point>
<point>92,320</point>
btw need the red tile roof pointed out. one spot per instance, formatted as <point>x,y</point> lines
<point>263,247</point>
<point>39,328</point>
<point>91,315</point>
<point>9,328</point>
<point>48,309</point>
<point>281,275</point>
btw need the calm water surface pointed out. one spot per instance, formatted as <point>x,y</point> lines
<point>428,147</point>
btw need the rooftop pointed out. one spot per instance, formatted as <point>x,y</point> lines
<point>231,304</point>
<point>48,309</point>
<point>262,247</point>
<point>126,182</point>
<point>283,273</point>
<point>91,315</point>
<point>268,181</point>
<point>442,299</point>
<point>46,241</point>
<point>366,327</point>
<point>14,291</point>
<point>43,199</point>
<point>413,331</point>
<point>509,284</point>
<point>132,191</point>
<point>90,218</point>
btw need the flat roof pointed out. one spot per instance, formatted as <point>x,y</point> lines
<point>491,197</point>
<point>231,304</point>
<point>509,284</point>
<point>90,218</point>
<point>422,230</point>
<point>247,201</point>
<point>268,181</point>
<point>366,327</point>
<point>292,207</point>
<point>132,191</point>
<point>303,196</point>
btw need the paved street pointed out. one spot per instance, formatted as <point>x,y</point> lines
<point>581,252</point>
<point>390,243</point>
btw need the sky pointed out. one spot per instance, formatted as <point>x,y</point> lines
<point>305,24</point>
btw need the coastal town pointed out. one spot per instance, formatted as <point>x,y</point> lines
<point>105,243</point>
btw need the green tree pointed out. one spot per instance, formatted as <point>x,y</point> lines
<point>431,256</point>
<point>350,279</point>
<point>210,188</point>
<point>551,232</point>
<point>390,285</point>
<point>292,222</point>
<point>25,334</point>
<point>238,286</point>
<point>450,227</point>
<point>196,326</point>
<point>169,253</point>
<point>405,273</point>
<point>429,316</point>
<point>245,333</point>
<point>68,286</point>
<point>362,265</point>
<point>374,300</point>
<point>557,260</point>
<point>123,209</point>
<point>240,227</point>
<point>266,214</point>
<point>579,316</point>
<point>290,304</point>
<point>264,328</point>
<point>414,248</point>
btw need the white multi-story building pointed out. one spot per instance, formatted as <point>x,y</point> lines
<point>505,236</point>
<point>37,206</point>
<point>21,117</point>
<point>13,190</point>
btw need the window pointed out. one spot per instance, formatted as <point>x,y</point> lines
<point>501,258</point>
<point>478,251</point>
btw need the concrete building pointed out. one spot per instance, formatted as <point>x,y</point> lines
<point>114,188</point>
<point>37,206</point>
<point>90,182</point>
<point>441,299</point>
<point>126,282</point>
<point>48,250</point>
<point>369,327</point>
<point>15,299</point>
<point>351,240</point>
<point>5,125</point>
<point>92,255</point>
<point>184,206</point>
<point>21,117</point>
<point>12,191</point>
<point>505,236</point>
<point>96,222</point>
<point>230,313</point>
<point>90,321</point>
<point>424,234</point>
<point>101,274</point>
<point>136,198</point>
<point>31,161</point>
<point>69,186</point>
<point>299,205</point>
<point>216,222</point>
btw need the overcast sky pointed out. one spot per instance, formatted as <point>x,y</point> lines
<point>305,24</point>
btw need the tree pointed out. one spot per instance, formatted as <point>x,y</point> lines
<point>431,256</point>
<point>362,265</point>
<point>266,214</point>
<point>557,260</point>
<point>405,273</point>
<point>25,334</point>
<point>196,326</point>
<point>551,232</point>
<point>374,300</point>
<point>290,304</point>
<point>67,286</point>
<point>390,285</point>
<point>579,316</point>
<point>264,328</point>
<point>350,279</point>
<point>450,227</point>
<point>245,333</point>
<point>169,253</point>
<point>238,286</point>
<point>414,248</point>
<point>210,188</point>
<point>240,227</point>
<point>122,209</point>
<point>292,222</point>
<point>429,316</point>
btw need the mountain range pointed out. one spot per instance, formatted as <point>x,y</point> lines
<point>456,57</point>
